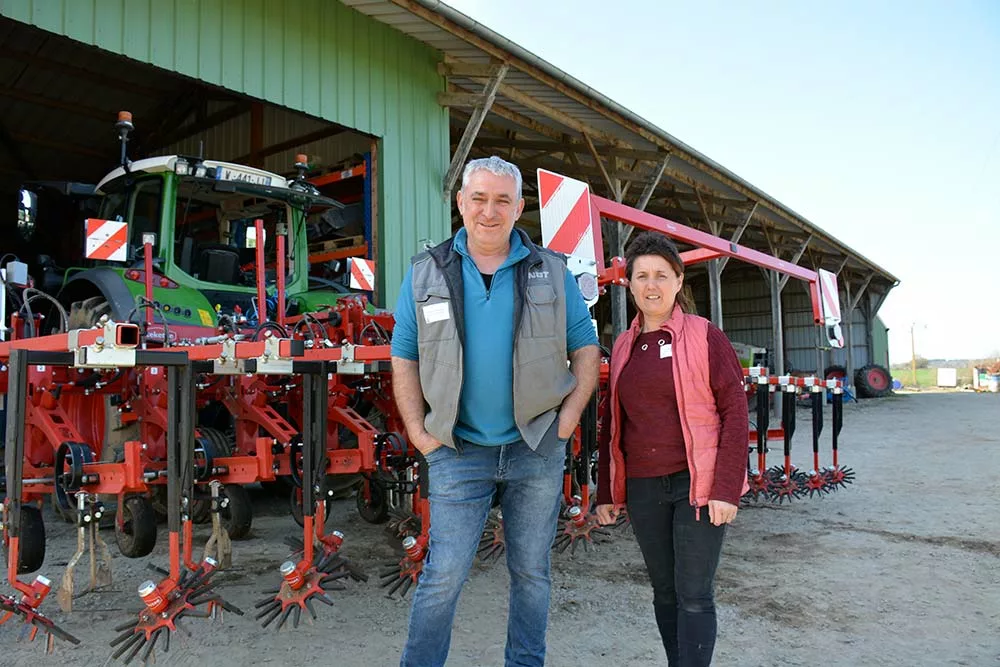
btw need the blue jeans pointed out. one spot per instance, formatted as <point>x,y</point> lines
<point>462,484</point>
<point>681,556</point>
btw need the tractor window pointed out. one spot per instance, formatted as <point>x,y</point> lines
<point>210,240</point>
<point>140,206</point>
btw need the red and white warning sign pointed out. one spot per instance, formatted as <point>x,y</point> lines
<point>567,226</point>
<point>362,274</point>
<point>107,239</point>
<point>830,301</point>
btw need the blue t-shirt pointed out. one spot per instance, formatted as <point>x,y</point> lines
<point>486,404</point>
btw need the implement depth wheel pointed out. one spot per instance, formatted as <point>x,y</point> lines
<point>375,507</point>
<point>31,553</point>
<point>237,515</point>
<point>135,529</point>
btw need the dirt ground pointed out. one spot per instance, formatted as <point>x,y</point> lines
<point>901,568</point>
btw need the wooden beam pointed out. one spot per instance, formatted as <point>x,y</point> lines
<point>72,107</point>
<point>296,142</point>
<point>570,144</point>
<point>615,191</point>
<point>212,120</point>
<point>457,68</point>
<point>81,74</point>
<point>861,290</point>
<point>794,260</point>
<point>459,99</point>
<point>45,142</point>
<point>647,194</point>
<point>472,130</point>
<point>735,238</point>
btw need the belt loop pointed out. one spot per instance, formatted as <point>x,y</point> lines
<point>459,445</point>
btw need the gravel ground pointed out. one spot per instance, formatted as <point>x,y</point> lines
<point>901,568</point>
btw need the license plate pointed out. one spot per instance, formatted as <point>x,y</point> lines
<point>227,174</point>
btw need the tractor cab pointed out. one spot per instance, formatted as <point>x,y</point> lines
<point>200,217</point>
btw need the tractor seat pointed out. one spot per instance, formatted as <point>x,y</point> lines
<point>218,263</point>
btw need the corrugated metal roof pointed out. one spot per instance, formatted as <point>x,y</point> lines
<point>460,39</point>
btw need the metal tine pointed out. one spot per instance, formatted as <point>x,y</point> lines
<point>135,650</point>
<point>407,583</point>
<point>296,615</point>
<point>180,626</point>
<point>137,637</point>
<point>309,607</point>
<point>130,632</point>
<point>266,601</point>
<point>125,626</point>
<point>152,644</point>
<point>285,615</point>
<point>273,614</point>
<point>396,586</point>
<point>271,606</point>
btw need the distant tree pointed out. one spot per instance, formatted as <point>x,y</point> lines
<point>921,362</point>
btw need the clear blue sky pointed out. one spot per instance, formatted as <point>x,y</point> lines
<point>877,121</point>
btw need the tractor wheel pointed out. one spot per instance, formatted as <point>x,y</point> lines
<point>237,515</point>
<point>376,509</point>
<point>835,372</point>
<point>31,552</point>
<point>873,381</point>
<point>135,530</point>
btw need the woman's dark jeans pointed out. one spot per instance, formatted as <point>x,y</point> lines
<point>681,555</point>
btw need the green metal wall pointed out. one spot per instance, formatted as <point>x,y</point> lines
<point>314,56</point>
<point>880,342</point>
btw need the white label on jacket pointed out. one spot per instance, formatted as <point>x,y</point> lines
<point>436,312</point>
<point>666,350</point>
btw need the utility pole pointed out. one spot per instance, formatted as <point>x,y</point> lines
<point>913,354</point>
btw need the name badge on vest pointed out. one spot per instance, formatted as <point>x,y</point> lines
<point>436,312</point>
<point>666,350</point>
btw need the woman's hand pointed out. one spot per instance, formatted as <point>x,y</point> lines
<point>720,512</point>
<point>608,514</point>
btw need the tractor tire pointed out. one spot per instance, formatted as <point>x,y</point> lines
<point>375,510</point>
<point>135,530</point>
<point>31,552</point>
<point>237,515</point>
<point>836,371</point>
<point>873,381</point>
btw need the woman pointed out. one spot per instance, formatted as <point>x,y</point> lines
<point>677,443</point>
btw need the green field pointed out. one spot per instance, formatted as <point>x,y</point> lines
<point>927,377</point>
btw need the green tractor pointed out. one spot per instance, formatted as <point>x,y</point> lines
<point>199,216</point>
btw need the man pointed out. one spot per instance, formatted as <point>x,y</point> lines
<point>484,326</point>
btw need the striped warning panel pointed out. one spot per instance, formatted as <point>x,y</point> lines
<point>362,274</point>
<point>106,239</point>
<point>830,294</point>
<point>565,215</point>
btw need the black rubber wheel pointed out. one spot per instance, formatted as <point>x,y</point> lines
<point>375,510</point>
<point>873,381</point>
<point>834,372</point>
<point>31,552</point>
<point>135,530</point>
<point>201,506</point>
<point>237,515</point>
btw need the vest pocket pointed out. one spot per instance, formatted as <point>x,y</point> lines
<point>435,318</point>
<point>539,309</point>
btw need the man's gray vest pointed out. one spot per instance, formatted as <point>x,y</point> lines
<point>541,375</point>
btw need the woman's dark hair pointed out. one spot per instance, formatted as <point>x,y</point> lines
<point>654,243</point>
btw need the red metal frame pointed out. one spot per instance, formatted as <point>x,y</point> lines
<point>709,247</point>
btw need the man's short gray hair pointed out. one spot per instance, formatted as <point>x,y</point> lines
<point>494,165</point>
